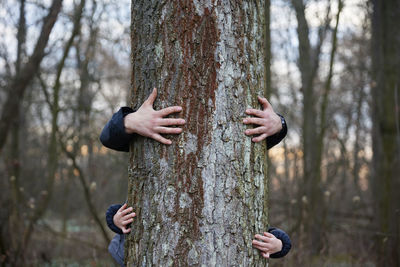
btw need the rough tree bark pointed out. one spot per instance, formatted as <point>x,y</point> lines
<point>201,200</point>
<point>386,132</point>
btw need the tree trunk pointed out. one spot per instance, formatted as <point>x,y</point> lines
<point>201,200</point>
<point>386,136</point>
<point>21,81</point>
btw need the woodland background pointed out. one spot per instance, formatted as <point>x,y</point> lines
<point>57,180</point>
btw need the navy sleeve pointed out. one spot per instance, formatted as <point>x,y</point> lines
<point>276,138</point>
<point>286,243</point>
<point>109,218</point>
<point>113,135</point>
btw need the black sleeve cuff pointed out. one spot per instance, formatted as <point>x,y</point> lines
<point>286,243</point>
<point>109,218</point>
<point>113,135</point>
<point>276,138</point>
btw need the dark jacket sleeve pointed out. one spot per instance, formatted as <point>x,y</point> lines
<point>109,218</point>
<point>276,138</point>
<point>113,135</point>
<point>286,243</point>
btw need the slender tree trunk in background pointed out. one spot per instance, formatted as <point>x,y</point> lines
<point>268,55</point>
<point>201,200</point>
<point>15,220</point>
<point>268,85</point>
<point>311,190</point>
<point>314,132</point>
<point>21,81</point>
<point>53,142</point>
<point>386,136</point>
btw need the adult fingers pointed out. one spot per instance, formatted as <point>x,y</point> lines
<point>168,130</point>
<point>254,112</point>
<point>152,97</point>
<point>258,130</point>
<point>253,121</point>
<point>264,102</point>
<point>259,138</point>
<point>169,110</point>
<point>161,139</point>
<point>171,121</point>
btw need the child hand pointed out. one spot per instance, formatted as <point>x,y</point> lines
<point>268,121</point>
<point>268,245</point>
<point>151,123</point>
<point>123,217</point>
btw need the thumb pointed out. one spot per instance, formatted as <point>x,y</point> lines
<point>264,102</point>
<point>152,97</point>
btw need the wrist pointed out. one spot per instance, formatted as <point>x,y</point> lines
<point>129,123</point>
<point>280,245</point>
<point>278,123</point>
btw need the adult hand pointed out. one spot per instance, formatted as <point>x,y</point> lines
<point>268,245</point>
<point>123,217</point>
<point>152,123</point>
<point>269,123</point>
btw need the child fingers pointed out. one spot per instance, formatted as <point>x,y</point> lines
<point>262,238</point>
<point>126,222</point>
<point>129,216</point>
<point>269,235</point>
<point>258,243</point>
<point>125,230</point>
<point>126,211</point>
<point>260,248</point>
<point>168,130</point>
<point>265,255</point>
<point>122,207</point>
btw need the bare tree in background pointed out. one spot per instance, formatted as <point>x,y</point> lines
<point>314,119</point>
<point>200,200</point>
<point>21,81</point>
<point>386,128</point>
